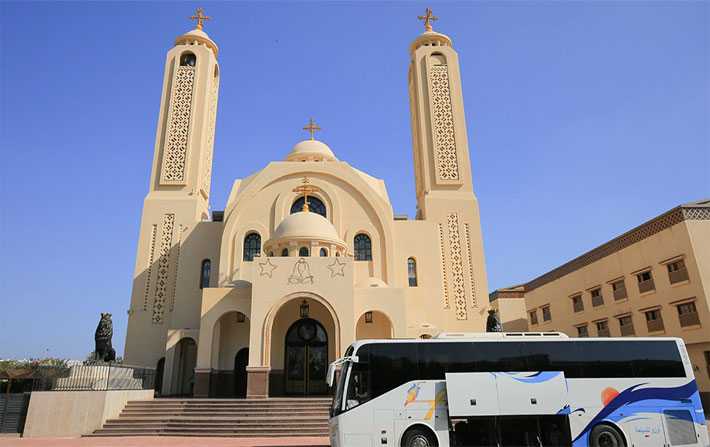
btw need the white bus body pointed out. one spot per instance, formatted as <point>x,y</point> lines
<point>534,407</point>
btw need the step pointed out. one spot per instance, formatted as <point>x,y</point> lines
<point>195,432</point>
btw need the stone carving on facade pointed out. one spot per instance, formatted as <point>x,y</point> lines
<point>267,268</point>
<point>178,127</point>
<point>337,268</point>
<point>209,146</point>
<point>444,280</point>
<point>447,165</point>
<point>162,279</point>
<point>149,270</point>
<point>467,232</point>
<point>181,230</point>
<point>457,280</point>
<point>301,273</point>
<point>104,351</point>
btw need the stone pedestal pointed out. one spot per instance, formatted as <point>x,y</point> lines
<point>258,382</point>
<point>98,377</point>
<point>202,383</point>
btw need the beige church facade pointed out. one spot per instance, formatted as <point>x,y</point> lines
<point>307,255</point>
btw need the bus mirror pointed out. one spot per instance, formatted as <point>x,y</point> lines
<point>330,377</point>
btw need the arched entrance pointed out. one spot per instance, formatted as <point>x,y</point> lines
<point>159,371</point>
<point>373,325</point>
<point>306,358</point>
<point>186,351</point>
<point>302,338</point>
<point>241,360</point>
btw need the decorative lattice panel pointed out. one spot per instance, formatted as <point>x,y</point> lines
<point>163,274</point>
<point>178,127</point>
<point>209,147</point>
<point>447,165</point>
<point>173,291</point>
<point>467,232</point>
<point>696,213</point>
<point>457,280</point>
<point>444,281</point>
<point>149,270</point>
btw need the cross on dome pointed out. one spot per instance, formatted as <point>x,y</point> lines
<point>428,18</point>
<point>305,189</point>
<point>200,17</point>
<point>312,127</point>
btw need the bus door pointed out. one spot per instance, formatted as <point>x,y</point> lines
<point>509,409</point>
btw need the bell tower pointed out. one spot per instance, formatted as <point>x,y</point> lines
<point>178,194</point>
<point>440,143</point>
<point>442,169</point>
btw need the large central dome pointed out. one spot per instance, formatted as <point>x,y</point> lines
<point>305,229</point>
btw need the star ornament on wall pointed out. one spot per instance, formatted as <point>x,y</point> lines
<point>337,268</point>
<point>266,268</point>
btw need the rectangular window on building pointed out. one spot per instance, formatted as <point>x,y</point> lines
<point>582,331</point>
<point>645,281</point>
<point>597,298</point>
<point>677,271</point>
<point>688,314</point>
<point>619,289</point>
<point>546,315</point>
<point>707,362</point>
<point>577,303</point>
<point>533,317</point>
<point>626,325</point>
<point>603,328</point>
<point>654,320</point>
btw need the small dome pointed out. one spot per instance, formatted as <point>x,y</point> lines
<point>306,225</point>
<point>197,36</point>
<point>311,150</point>
<point>431,38</point>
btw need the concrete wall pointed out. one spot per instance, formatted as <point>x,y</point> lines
<point>75,413</point>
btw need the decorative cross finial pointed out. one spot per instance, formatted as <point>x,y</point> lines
<point>312,127</point>
<point>305,189</point>
<point>428,18</point>
<point>200,17</point>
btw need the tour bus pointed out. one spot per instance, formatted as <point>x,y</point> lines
<point>516,389</point>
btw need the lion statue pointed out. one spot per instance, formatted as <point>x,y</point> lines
<point>104,351</point>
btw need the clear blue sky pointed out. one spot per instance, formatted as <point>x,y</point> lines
<point>585,119</point>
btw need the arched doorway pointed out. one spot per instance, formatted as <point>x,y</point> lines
<point>159,371</point>
<point>306,358</point>
<point>186,360</point>
<point>241,360</point>
<point>373,325</point>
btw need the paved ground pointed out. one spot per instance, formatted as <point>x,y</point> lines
<point>159,441</point>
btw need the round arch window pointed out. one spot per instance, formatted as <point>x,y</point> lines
<point>315,205</point>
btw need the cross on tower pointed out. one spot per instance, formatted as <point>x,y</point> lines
<point>200,17</point>
<point>428,18</point>
<point>305,189</point>
<point>312,127</point>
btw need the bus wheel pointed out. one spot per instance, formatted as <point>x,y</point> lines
<point>418,437</point>
<point>606,436</point>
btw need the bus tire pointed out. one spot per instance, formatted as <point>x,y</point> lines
<point>604,435</point>
<point>419,437</point>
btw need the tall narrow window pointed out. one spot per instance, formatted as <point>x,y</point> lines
<point>323,252</point>
<point>412,272</point>
<point>284,252</point>
<point>363,247</point>
<point>303,251</point>
<point>205,274</point>
<point>252,246</point>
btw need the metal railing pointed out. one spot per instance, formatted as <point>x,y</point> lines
<point>93,377</point>
<point>620,292</point>
<point>678,275</point>
<point>646,286</point>
<point>689,319</point>
<point>655,325</point>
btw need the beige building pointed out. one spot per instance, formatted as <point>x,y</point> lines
<point>307,255</point>
<point>652,280</point>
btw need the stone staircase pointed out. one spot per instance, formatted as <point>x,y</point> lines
<point>274,417</point>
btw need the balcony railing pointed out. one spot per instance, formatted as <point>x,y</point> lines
<point>646,286</point>
<point>98,377</point>
<point>655,325</point>
<point>627,330</point>
<point>620,293</point>
<point>603,332</point>
<point>678,275</point>
<point>577,306</point>
<point>597,300</point>
<point>689,319</point>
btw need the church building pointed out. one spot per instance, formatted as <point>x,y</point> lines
<point>307,255</point>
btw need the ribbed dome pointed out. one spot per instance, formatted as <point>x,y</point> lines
<point>306,225</point>
<point>311,150</point>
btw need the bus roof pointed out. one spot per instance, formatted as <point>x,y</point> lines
<point>505,337</point>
